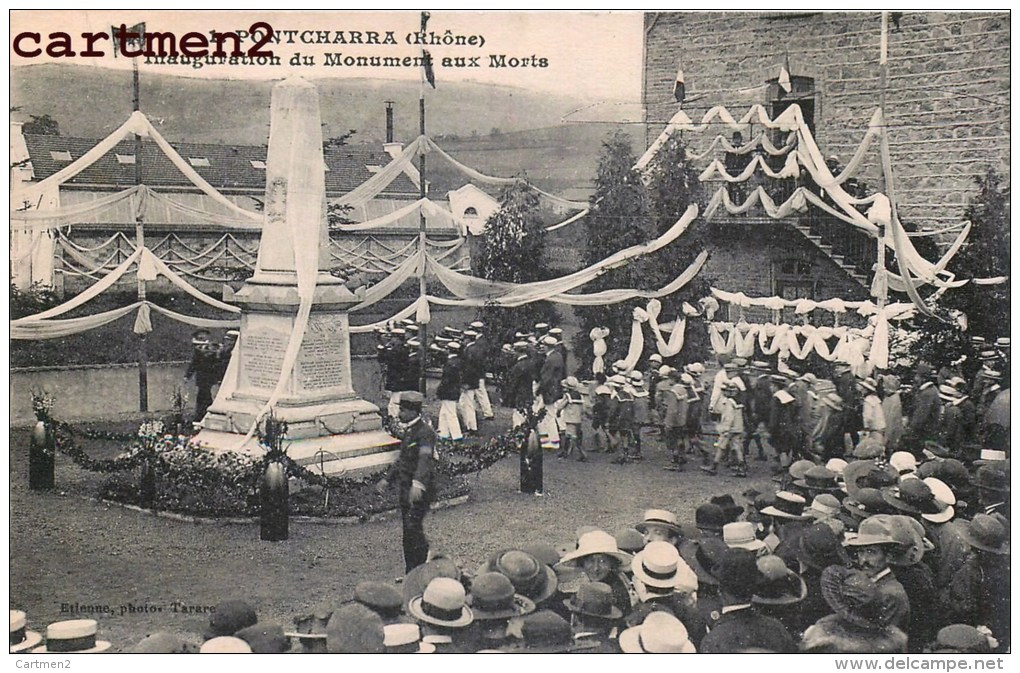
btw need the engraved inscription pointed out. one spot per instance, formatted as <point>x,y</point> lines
<point>323,354</point>
<point>262,354</point>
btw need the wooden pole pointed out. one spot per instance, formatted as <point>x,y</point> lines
<point>143,348</point>
<point>422,327</point>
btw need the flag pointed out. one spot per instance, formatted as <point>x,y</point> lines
<point>679,92</point>
<point>138,28</point>
<point>784,75</point>
<point>426,62</point>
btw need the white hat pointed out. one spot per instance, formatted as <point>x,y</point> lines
<point>636,376</point>
<point>225,645</point>
<point>665,370</point>
<point>943,495</point>
<point>478,324</point>
<point>903,461</point>
<point>687,379</point>
<point>22,640</point>
<point>655,357</point>
<point>659,565</point>
<point>740,535</point>
<point>549,340</point>
<point>595,542</point>
<point>77,636</point>
<point>660,633</point>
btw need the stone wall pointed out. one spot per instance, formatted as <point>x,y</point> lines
<point>947,97</point>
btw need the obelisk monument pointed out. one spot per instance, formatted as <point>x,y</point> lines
<point>327,421</point>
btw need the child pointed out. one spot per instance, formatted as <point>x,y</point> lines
<point>600,415</point>
<point>694,412</point>
<point>731,432</point>
<point>641,410</point>
<point>571,414</point>
<point>674,419</point>
<point>621,416</point>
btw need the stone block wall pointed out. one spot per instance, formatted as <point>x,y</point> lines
<point>947,103</point>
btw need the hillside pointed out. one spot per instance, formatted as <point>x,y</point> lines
<point>90,102</point>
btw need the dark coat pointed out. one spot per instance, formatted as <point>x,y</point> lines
<point>550,382</point>
<point>449,384</point>
<point>416,462</point>
<point>924,420</point>
<point>832,635</point>
<point>517,390</point>
<point>474,364</point>
<point>746,630</point>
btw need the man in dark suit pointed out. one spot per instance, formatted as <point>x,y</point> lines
<point>517,389</point>
<point>414,475</point>
<point>205,367</point>
<point>924,420</point>
<point>739,628</point>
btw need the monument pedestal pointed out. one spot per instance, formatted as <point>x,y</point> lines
<point>328,424</point>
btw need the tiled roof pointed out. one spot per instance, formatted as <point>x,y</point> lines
<point>230,166</point>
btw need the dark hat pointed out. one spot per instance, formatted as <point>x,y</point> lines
<point>544,552</point>
<point>910,537</point>
<point>866,502</point>
<point>855,597</point>
<point>818,478</point>
<point>629,540</point>
<point>492,597</point>
<point>953,472</point>
<point>777,584</point>
<point>787,506</point>
<point>529,576</point>
<point>594,599</point>
<point>737,572</point>
<point>382,597</point>
<point>710,517</point>
<point>986,533</point>
<point>867,474</point>
<point>924,371</point>
<point>875,530</point>
<point>960,639</point>
<point>354,629</point>
<point>265,638</point>
<point>546,632</point>
<point>163,642</point>
<point>799,468</point>
<point>992,478</point>
<point>819,547</point>
<point>731,510</point>
<point>708,553</point>
<point>411,399</point>
<point>229,617</point>
<point>912,495</point>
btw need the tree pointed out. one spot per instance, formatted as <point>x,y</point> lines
<point>673,186</point>
<point>41,125</point>
<point>619,217</point>
<point>514,242</point>
<point>984,255</point>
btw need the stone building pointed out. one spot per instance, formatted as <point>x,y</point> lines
<point>947,110</point>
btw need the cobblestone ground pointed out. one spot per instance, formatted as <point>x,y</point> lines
<point>71,556</point>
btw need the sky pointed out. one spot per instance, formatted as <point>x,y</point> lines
<point>590,54</point>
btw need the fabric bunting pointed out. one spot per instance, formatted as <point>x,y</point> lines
<point>790,169</point>
<point>491,180</point>
<point>762,140</point>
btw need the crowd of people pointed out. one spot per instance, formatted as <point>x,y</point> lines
<point>882,554</point>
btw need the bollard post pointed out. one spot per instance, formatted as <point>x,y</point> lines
<point>274,494</point>
<point>41,457</point>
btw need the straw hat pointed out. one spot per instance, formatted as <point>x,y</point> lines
<point>944,496</point>
<point>77,636</point>
<point>595,542</point>
<point>225,645</point>
<point>660,633</point>
<point>659,517</point>
<point>659,565</point>
<point>21,639</point>
<point>740,535</point>
<point>444,603</point>
<point>787,506</point>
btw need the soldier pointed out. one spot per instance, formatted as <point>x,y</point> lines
<point>483,352</point>
<point>449,392</point>
<point>414,475</point>
<point>517,389</point>
<point>205,366</point>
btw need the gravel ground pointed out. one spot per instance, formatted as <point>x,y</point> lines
<point>71,555</point>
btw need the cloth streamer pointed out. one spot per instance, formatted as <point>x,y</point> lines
<point>761,139</point>
<point>598,338</point>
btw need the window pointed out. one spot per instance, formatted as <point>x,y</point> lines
<point>198,162</point>
<point>795,279</point>
<point>61,155</point>
<point>470,211</point>
<point>125,159</point>
<point>257,163</point>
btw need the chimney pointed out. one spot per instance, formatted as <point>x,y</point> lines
<point>389,121</point>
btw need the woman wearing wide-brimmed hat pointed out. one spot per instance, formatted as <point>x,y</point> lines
<point>600,559</point>
<point>979,593</point>
<point>861,623</point>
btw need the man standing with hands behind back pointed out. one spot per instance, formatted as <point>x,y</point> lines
<point>414,475</point>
